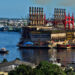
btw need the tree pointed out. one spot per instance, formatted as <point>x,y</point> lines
<point>13,72</point>
<point>46,68</point>
<point>69,71</point>
<point>25,70</point>
<point>21,70</point>
<point>38,72</point>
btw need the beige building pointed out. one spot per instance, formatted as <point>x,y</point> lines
<point>8,66</point>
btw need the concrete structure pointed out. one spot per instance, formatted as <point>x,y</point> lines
<point>8,66</point>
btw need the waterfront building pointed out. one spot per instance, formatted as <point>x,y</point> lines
<point>13,22</point>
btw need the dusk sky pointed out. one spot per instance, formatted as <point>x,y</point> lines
<point>20,8</point>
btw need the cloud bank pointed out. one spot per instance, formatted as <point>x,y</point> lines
<point>67,3</point>
<point>41,2</point>
<point>56,2</point>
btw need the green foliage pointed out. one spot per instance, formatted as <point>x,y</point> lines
<point>21,70</point>
<point>25,70</point>
<point>69,72</point>
<point>12,73</point>
<point>38,72</point>
<point>46,68</point>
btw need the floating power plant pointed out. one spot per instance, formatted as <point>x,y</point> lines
<point>58,32</point>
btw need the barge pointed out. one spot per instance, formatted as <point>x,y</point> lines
<point>33,38</point>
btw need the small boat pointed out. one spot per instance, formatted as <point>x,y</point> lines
<point>3,50</point>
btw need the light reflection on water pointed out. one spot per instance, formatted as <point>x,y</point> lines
<point>34,56</point>
<point>65,56</point>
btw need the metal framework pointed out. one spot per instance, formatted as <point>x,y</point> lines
<point>67,21</point>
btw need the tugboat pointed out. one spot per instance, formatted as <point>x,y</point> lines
<point>3,50</point>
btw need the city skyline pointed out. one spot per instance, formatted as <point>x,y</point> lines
<point>20,8</point>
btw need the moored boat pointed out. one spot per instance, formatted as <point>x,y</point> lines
<point>3,50</point>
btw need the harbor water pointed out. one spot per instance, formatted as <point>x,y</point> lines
<point>9,40</point>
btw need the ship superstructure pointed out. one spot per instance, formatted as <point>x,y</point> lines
<point>39,38</point>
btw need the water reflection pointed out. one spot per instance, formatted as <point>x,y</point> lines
<point>66,56</point>
<point>36,55</point>
<point>52,55</point>
<point>9,41</point>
